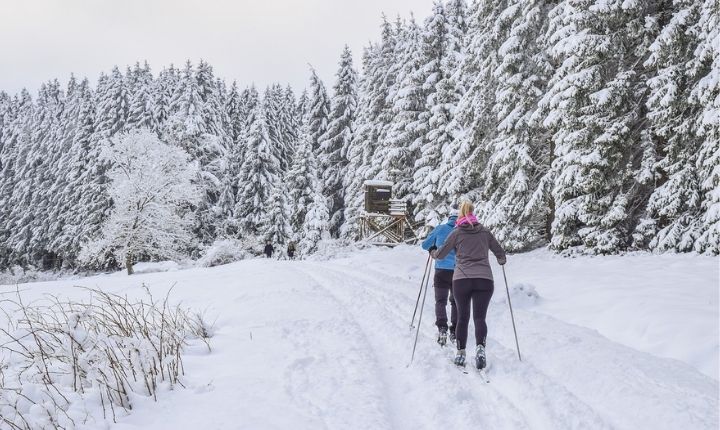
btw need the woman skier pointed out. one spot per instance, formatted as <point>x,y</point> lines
<point>472,280</point>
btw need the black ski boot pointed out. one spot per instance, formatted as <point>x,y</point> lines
<point>480,359</point>
<point>442,336</point>
<point>460,358</point>
<point>452,335</point>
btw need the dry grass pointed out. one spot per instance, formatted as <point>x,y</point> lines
<point>61,358</point>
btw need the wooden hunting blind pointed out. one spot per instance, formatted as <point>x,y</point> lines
<point>377,196</point>
<point>384,221</point>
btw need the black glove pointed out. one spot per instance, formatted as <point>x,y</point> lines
<point>432,248</point>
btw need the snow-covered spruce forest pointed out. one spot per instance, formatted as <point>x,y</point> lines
<point>590,125</point>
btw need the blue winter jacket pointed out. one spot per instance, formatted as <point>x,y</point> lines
<point>437,237</point>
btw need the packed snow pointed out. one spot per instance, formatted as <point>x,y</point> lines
<point>621,342</point>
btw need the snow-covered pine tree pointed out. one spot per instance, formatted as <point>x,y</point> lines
<point>222,96</point>
<point>473,121</point>
<point>448,91</point>
<point>84,201</point>
<point>592,108</point>
<point>335,142</point>
<point>516,207</point>
<point>382,90</point>
<point>670,143</point>
<point>302,182</point>
<point>372,119</point>
<point>707,94</point>
<point>8,158</point>
<point>318,110</point>
<point>4,108</point>
<point>35,175</point>
<point>279,124</point>
<point>113,104</point>
<point>141,100</point>
<point>293,119</point>
<point>258,176</point>
<point>236,115</point>
<point>164,88</point>
<point>316,225</point>
<point>152,185</point>
<point>359,150</point>
<point>249,99</point>
<point>393,158</point>
<point>187,128</point>
<point>90,188</point>
<point>37,170</point>
<point>276,227</point>
<point>61,161</point>
<point>302,106</point>
<point>15,152</point>
<point>429,202</point>
<point>212,106</point>
<point>185,124</point>
<point>233,160</point>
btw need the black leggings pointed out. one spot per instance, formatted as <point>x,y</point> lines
<point>443,286</point>
<point>478,291</point>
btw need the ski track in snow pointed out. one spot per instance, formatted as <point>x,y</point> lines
<point>572,377</point>
<point>527,388</point>
<point>408,395</point>
<point>344,381</point>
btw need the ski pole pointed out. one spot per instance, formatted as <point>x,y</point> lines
<point>512,317</point>
<point>425,273</point>
<point>417,333</point>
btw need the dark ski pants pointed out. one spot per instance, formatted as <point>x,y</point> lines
<point>443,288</point>
<point>475,292</point>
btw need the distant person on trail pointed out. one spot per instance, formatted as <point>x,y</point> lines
<point>443,279</point>
<point>291,250</point>
<point>472,280</point>
<point>269,249</point>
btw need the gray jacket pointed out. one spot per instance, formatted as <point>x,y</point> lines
<point>471,243</point>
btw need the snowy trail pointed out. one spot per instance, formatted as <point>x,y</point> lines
<point>326,345</point>
<point>572,377</point>
<point>349,379</point>
<point>505,405</point>
<point>282,359</point>
<point>410,394</point>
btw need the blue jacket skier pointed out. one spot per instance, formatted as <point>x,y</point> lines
<point>442,281</point>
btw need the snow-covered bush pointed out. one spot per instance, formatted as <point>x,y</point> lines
<point>223,251</point>
<point>160,266</point>
<point>337,248</point>
<point>315,226</point>
<point>66,363</point>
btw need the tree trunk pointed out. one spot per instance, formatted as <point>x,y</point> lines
<point>129,264</point>
<point>551,200</point>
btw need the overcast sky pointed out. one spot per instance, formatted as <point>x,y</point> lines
<point>260,41</point>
